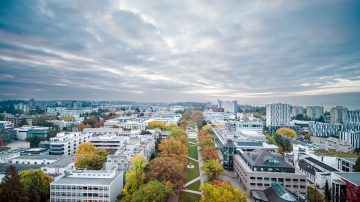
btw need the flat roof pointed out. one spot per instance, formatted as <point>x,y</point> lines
<point>321,164</point>
<point>63,162</point>
<point>71,180</point>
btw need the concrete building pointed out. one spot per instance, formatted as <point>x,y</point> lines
<point>295,110</point>
<point>353,117</point>
<point>277,193</point>
<point>316,171</point>
<point>319,129</point>
<point>142,144</point>
<point>66,143</point>
<point>7,135</point>
<point>59,167</point>
<point>278,114</point>
<point>345,187</point>
<point>338,114</point>
<point>109,141</point>
<point>228,106</point>
<point>37,131</point>
<point>353,137</point>
<point>260,169</point>
<point>346,164</point>
<point>25,108</point>
<point>236,126</point>
<point>333,143</point>
<point>87,185</point>
<point>314,112</point>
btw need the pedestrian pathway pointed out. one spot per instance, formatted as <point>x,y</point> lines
<point>191,191</point>
<point>191,181</point>
<point>193,159</point>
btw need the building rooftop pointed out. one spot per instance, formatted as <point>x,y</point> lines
<point>19,167</point>
<point>277,193</point>
<point>99,177</point>
<point>321,164</point>
<point>353,177</point>
<point>264,158</point>
<point>308,168</point>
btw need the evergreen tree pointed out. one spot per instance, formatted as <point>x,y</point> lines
<point>10,188</point>
<point>327,191</point>
<point>357,165</point>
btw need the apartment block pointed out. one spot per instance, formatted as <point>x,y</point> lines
<point>278,114</point>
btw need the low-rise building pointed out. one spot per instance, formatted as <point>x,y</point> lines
<point>345,187</point>
<point>346,164</point>
<point>59,167</point>
<point>333,143</point>
<point>86,185</point>
<point>277,193</point>
<point>66,143</point>
<point>260,169</point>
<point>353,137</point>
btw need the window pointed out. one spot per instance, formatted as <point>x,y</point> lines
<point>259,178</point>
<point>295,180</point>
<point>288,179</point>
<point>252,184</point>
<point>259,184</point>
<point>266,178</point>
<point>302,180</point>
<point>252,178</point>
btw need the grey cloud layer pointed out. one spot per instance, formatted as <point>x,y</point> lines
<point>180,50</point>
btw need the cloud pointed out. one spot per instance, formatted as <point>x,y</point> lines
<point>181,50</point>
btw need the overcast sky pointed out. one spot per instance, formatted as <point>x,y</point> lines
<point>300,52</point>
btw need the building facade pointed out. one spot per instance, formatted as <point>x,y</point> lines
<point>278,114</point>
<point>260,170</point>
<point>82,185</point>
<point>314,112</point>
<point>353,137</point>
<point>66,143</point>
<point>338,114</point>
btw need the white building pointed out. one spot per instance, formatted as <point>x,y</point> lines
<point>91,185</point>
<point>278,114</point>
<point>353,117</point>
<point>109,141</point>
<point>59,167</point>
<point>228,106</point>
<point>333,143</point>
<point>66,143</point>
<point>353,137</point>
<point>314,112</point>
<point>295,110</point>
<point>236,126</point>
<point>7,124</point>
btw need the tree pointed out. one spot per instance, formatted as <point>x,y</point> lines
<point>173,148</point>
<point>34,141</point>
<point>135,175</point>
<point>207,128</point>
<point>53,131</point>
<point>209,153</point>
<point>36,183</point>
<point>167,169</point>
<point>357,165</point>
<point>85,148</point>
<point>221,191</point>
<point>175,132</point>
<point>154,190</point>
<point>90,157</point>
<point>287,132</point>
<point>314,195</point>
<point>10,188</point>
<point>156,124</point>
<point>327,191</point>
<point>213,169</point>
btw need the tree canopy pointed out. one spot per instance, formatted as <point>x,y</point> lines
<point>221,191</point>
<point>10,188</point>
<point>213,169</point>
<point>287,132</point>
<point>36,183</point>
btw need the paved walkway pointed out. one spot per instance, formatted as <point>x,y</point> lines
<point>203,176</point>
<point>193,159</point>
<point>191,191</point>
<point>191,181</point>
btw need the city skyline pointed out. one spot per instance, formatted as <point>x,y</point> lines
<point>301,53</point>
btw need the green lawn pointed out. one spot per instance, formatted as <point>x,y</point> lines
<point>193,172</point>
<point>188,197</point>
<point>332,152</point>
<point>194,186</point>
<point>193,140</point>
